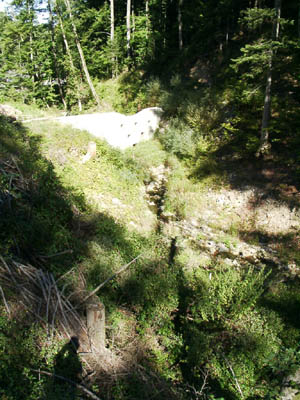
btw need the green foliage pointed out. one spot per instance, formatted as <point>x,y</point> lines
<point>19,355</point>
<point>224,322</point>
<point>24,351</point>
<point>226,293</point>
<point>226,334</point>
<point>284,299</point>
<point>178,139</point>
<point>135,93</point>
<point>254,18</point>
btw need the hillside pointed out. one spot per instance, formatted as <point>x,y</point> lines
<point>165,268</point>
<point>209,309</point>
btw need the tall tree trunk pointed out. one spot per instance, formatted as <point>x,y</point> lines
<point>112,35</point>
<point>227,32</point>
<point>53,46</point>
<point>147,19</point>
<point>83,63</point>
<point>164,21</point>
<point>73,69</point>
<point>180,40</point>
<point>265,144</point>
<point>132,29</point>
<point>128,27</point>
<point>30,20</point>
<point>112,20</point>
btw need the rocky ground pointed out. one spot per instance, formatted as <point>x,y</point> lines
<point>235,225</point>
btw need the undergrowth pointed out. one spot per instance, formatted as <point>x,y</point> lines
<point>192,327</point>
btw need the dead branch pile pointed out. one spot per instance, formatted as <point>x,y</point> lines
<point>39,294</point>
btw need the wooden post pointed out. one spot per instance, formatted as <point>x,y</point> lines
<point>95,313</point>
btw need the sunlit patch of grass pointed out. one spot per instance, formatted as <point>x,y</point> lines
<point>112,181</point>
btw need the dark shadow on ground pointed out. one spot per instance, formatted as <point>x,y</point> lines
<point>66,365</point>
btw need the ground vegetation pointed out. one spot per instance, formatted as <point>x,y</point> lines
<point>208,209</point>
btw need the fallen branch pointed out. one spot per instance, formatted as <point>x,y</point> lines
<point>107,280</point>
<point>4,299</point>
<point>17,166</point>
<point>38,293</point>
<point>83,388</point>
<point>57,254</point>
<point>234,376</point>
<point>64,275</point>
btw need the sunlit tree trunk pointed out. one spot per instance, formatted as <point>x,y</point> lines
<point>164,21</point>
<point>128,27</point>
<point>180,40</point>
<point>83,63</point>
<point>265,145</point>
<point>70,58</point>
<point>53,46</point>
<point>147,19</point>
<point>30,20</point>
<point>112,35</point>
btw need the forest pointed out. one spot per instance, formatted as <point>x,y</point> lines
<point>190,241</point>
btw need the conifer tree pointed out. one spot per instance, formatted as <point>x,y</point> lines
<point>82,58</point>
<point>257,59</point>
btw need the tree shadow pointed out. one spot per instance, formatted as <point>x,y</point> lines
<point>36,209</point>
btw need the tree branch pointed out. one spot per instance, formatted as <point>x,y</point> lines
<point>108,279</point>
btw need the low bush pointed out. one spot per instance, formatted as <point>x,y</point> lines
<point>227,335</point>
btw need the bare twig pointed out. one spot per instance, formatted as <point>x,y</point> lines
<point>234,376</point>
<point>17,166</point>
<point>8,269</point>
<point>38,316</point>
<point>69,251</point>
<point>26,272</point>
<point>64,275</point>
<point>60,304</point>
<point>109,279</point>
<point>4,300</point>
<point>79,386</point>
<point>204,386</point>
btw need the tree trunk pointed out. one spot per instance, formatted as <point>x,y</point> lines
<point>112,20</point>
<point>147,19</point>
<point>30,19</point>
<point>70,58</point>
<point>53,46</point>
<point>164,21</point>
<point>265,145</point>
<point>112,35</point>
<point>180,40</point>
<point>83,63</point>
<point>128,27</point>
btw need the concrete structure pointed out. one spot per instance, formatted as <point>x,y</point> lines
<point>119,130</point>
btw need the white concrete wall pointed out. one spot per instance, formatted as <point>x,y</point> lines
<point>119,130</point>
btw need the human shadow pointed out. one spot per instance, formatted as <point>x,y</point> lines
<point>67,372</point>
